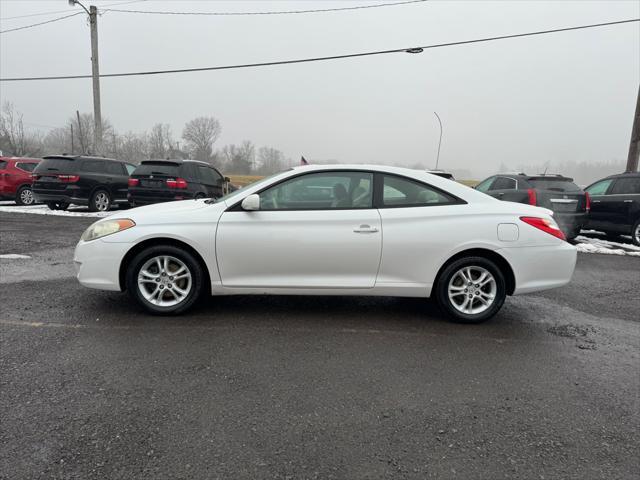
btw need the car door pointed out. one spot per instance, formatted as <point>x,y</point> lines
<point>600,213</point>
<point>118,178</point>
<point>623,198</point>
<point>316,230</point>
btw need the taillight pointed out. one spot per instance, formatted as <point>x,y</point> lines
<point>533,197</point>
<point>133,182</point>
<point>546,225</point>
<point>69,178</point>
<point>587,199</point>
<point>177,183</point>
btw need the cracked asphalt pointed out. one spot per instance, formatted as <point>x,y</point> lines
<point>311,387</point>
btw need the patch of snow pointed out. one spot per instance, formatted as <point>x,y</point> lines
<point>606,247</point>
<point>44,210</point>
<point>13,256</point>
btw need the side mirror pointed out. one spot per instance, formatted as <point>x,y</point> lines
<point>227,179</point>
<point>251,203</point>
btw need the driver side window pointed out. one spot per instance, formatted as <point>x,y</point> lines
<point>321,191</point>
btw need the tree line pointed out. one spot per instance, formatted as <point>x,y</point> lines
<point>197,142</point>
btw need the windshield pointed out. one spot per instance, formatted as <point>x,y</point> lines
<point>240,191</point>
<point>555,185</point>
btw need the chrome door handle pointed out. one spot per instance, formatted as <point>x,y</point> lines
<point>628,201</point>
<point>365,229</point>
<point>595,201</point>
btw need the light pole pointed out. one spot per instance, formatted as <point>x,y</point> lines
<point>439,141</point>
<point>95,73</point>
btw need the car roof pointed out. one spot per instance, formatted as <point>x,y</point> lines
<point>21,159</point>
<point>82,157</point>
<point>177,161</point>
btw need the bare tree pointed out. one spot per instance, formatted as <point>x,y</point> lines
<point>160,141</point>
<point>200,134</point>
<point>239,159</point>
<point>14,140</point>
<point>270,160</point>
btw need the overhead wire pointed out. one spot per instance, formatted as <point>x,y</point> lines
<point>327,58</point>
<point>277,12</point>
<point>41,23</point>
<point>50,12</point>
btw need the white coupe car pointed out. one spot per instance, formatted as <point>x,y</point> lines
<point>331,230</point>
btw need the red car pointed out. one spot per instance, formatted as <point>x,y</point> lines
<point>15,179</point>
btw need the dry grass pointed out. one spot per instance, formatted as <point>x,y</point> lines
<point>242,180</point>
<point>469,183</point>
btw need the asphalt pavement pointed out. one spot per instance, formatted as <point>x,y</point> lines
<point>311,387</point>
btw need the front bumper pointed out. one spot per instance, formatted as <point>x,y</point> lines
<point>98,263</point>
<point>541,268</point>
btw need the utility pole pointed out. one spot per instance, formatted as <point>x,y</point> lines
<point>634,144</point>
<point>72,146</point>
<point>439,141</point>
<point>80,132</point>
<point>95,73</point>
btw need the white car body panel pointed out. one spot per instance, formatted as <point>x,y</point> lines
<point>318,252</point>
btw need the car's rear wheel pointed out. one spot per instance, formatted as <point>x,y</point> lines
<point>100,201</point>
<point>165,279</point>
<point>635,234</point>
<point>57,205</point>
<point>471,289</point>
<point>24,196</point>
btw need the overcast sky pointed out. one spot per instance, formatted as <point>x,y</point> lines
<point>564,96</point>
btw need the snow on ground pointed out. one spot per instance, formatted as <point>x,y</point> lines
<point>598,245</point>
<point>14,256</point>
<point>44,210</point>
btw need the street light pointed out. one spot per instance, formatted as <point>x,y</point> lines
<point>439,141</point>
<point>95,72</point>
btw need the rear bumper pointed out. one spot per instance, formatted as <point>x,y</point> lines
<point>59,197</point>
<point>541,268</point>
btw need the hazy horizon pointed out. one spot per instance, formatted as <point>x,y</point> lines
<point>565,97</point>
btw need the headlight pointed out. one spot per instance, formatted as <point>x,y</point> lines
<point>102,229</point>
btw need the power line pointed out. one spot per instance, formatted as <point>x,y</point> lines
<point>333,57</point>
<point>42,23</point>
<point>282,12</point>
<point>64,11</point>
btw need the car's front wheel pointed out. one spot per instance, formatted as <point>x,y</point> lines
<point>57,205</point>
<point>165,279</point>
<point>635,233</point>
<point>471,289</point>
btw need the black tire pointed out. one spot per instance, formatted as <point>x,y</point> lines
<point>451,270</point>
<point>194,268</point>
<point>57,205</point>
<point>24,196</point>
<point>100,201</point>
<point>635,233</point>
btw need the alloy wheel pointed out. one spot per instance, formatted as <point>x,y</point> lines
<point>26,196</point>
<point>472,290</point>
<point>636,234</point>
<point>164,281</point>
<point>102,201</point>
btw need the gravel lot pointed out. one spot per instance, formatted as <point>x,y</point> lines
<point>322,387</point>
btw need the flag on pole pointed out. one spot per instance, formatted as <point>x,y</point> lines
<point>303,161</point>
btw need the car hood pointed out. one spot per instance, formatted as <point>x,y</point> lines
<point>183,211</point>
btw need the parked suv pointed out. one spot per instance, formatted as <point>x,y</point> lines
<point>15,179</point>
<point>156,181</point>
<point>615,205</point>
<point>97,182</point>
<point>570,204</point>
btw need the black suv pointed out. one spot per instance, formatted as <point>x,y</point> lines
<point>615,205</point>
<point>155,181</point>
<point>569,202</point>
<point>60,180</point>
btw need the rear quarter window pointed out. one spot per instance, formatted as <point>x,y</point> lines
<point>56,165</point>
<point>554,185</point>
<point>623,186</point>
